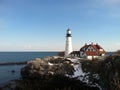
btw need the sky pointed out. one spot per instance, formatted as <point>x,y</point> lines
<point>40,25</point>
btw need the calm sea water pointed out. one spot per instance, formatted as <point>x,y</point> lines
<point>5,71</point>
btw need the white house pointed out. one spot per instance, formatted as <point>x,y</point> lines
<point>92,51</point>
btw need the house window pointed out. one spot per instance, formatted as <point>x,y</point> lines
<point>88,49</point>
<point>82,53</point>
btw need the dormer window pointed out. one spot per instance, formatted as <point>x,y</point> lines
<point>88,49</point>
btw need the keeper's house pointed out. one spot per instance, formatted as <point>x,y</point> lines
<point>92,51</point>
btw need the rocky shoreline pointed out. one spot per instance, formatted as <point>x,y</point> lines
<point>49,73</point>
<point>57,73</point>
<point>95,75</point>
<point>53,73</point>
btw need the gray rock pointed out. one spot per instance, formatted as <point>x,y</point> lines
<point>47,66</point>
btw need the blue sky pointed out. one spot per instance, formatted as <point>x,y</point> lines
<point>40,25</point>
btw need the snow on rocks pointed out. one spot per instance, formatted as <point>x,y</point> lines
<point>71,67</point>
<point>80,74</point>
<point>51,64</point>
<point>78,70</point>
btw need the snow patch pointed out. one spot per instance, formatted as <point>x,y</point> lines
<point>50,64</point>
<point>84,77</point>
<point>78,71</point>
<point>74,60</point>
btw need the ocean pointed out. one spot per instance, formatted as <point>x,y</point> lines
<point>6,71</point>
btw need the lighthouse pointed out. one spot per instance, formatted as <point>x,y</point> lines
<point>68,48</point>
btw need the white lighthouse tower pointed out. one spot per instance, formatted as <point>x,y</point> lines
<point>68,48</point>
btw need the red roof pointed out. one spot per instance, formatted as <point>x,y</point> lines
<point>86,46</point>
<point>92,53</point>
<point>96,47</point>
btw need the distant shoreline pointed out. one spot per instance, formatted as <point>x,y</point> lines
<point>13,63</point>
<point>43,51</point>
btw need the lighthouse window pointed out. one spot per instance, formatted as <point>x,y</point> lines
<point>68,35</point>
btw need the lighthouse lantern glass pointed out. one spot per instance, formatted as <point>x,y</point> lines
<point>69,32</point>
